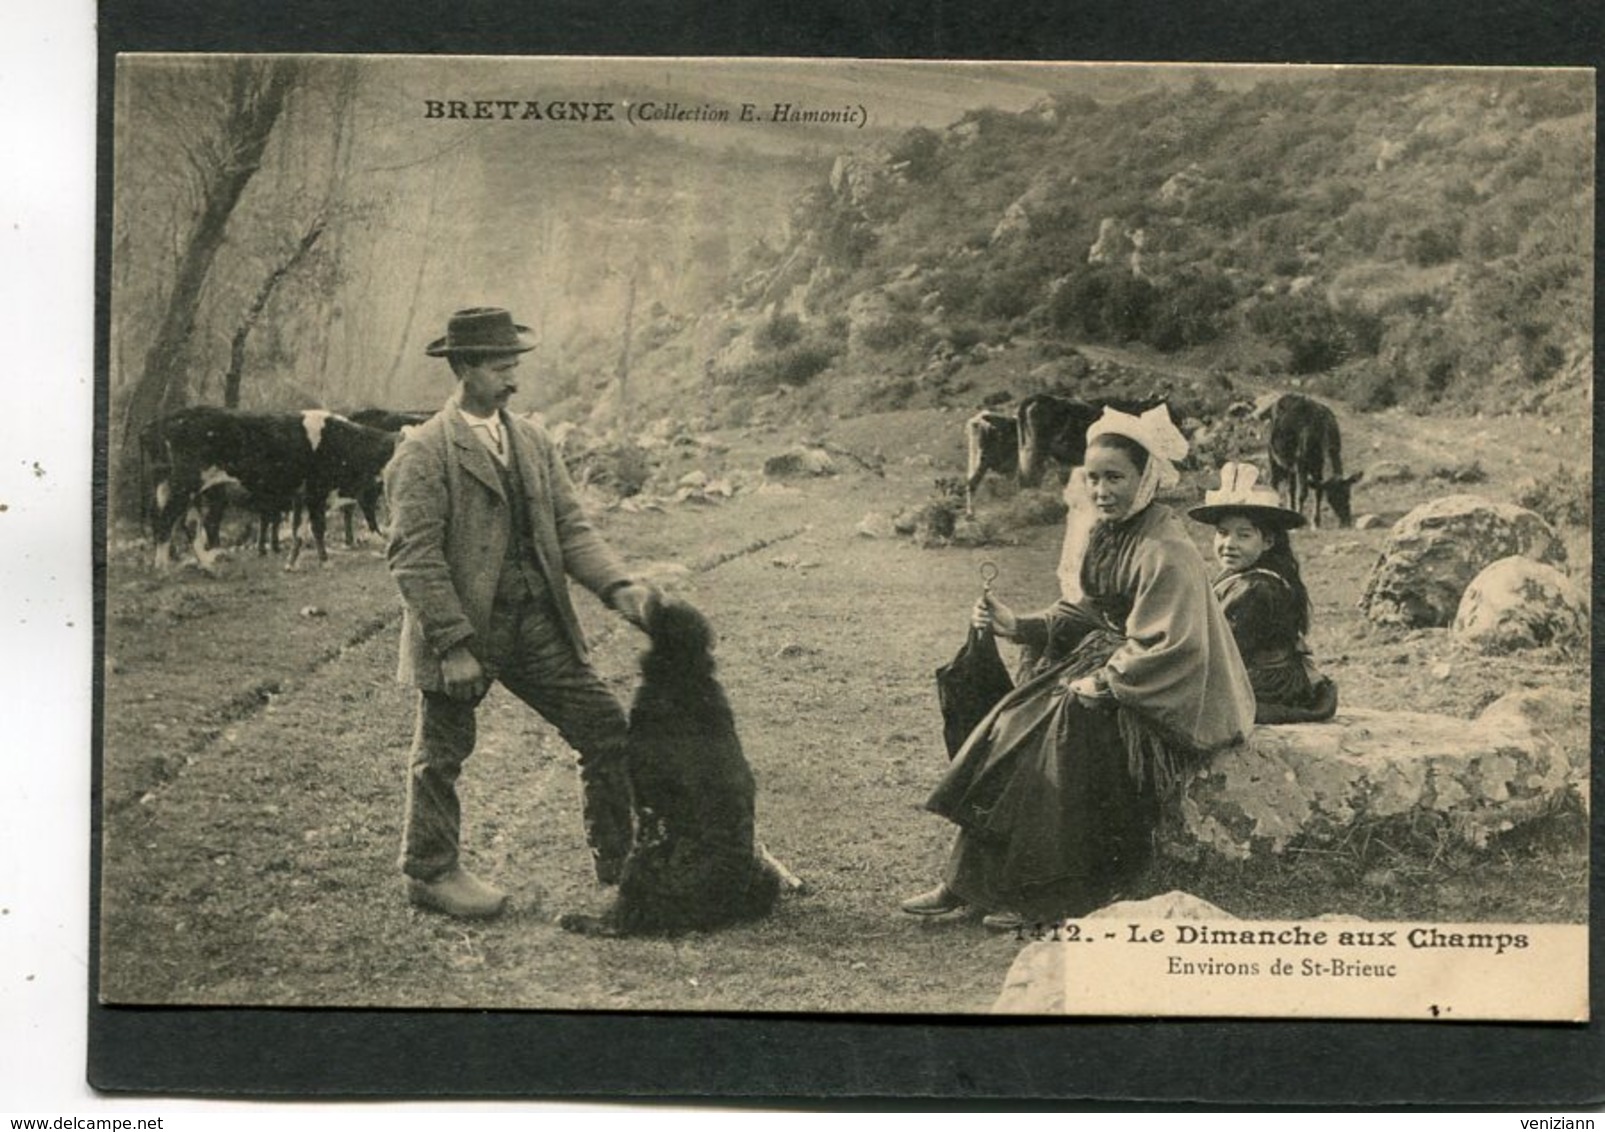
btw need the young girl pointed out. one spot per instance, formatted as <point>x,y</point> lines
<point>1264,598</point>
<point>1057,791</point>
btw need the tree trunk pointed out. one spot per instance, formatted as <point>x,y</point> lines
<point>624,352</point>
<point>255,101</point>
<point>404,344</point>
<point>236,364</point>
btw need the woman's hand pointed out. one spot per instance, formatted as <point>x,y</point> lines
<point>992,616</point>
<point>1091,690</point>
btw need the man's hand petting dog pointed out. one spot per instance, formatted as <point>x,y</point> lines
<point>635,601</point>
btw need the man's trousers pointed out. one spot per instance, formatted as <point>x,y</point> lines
<point>529,654</point>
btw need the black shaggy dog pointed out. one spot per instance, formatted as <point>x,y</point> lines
<point>695,864</point>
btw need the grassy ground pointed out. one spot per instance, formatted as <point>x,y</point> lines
<point>255,743</point>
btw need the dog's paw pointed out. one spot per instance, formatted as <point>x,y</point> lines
<point>789,881</point>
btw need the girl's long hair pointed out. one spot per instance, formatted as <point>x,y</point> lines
<point>1279,559</point>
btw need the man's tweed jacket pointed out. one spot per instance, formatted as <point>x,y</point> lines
<point>449,531</point>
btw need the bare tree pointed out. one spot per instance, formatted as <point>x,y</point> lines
<point>236,366</point>
<point>222,164</point>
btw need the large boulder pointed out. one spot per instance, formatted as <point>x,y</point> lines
<point>1035,983</point>
<point>1319,784</point>
<point>799,460</point>
<point>1517,603</point>
<point>1435,551</point>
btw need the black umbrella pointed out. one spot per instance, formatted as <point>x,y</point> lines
<point>969,685</point>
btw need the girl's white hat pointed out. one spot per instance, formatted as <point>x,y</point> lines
<point>1240,493</point>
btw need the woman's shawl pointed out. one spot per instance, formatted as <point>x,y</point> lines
<point>1179,667</point>
<point>1262,613</point>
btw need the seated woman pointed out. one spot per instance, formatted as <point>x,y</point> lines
<point>1264,598</point>
<point>1057,791</point>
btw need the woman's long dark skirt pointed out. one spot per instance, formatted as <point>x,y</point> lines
<point>1052,822</point>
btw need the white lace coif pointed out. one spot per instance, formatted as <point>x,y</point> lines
<point>1156,433</point>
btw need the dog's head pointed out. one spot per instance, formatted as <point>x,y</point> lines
<point>679,632</point>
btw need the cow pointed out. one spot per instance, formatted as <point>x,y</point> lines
<point>1055,428</point>
<point>1306,457</point>
<point>281,460</point>
<point>266,454</point>
<point>346,461</point>
<point>386,420</point>
<point>1051,428</point>
<point>218,490</point>
<point>993,441</point>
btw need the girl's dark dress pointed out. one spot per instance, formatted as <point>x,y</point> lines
<point>1262,610</point>
<point>1057,799</point>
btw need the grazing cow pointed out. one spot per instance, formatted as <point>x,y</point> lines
<point>1055,428</point>
<point>266,454</point>
<point>1306,457</point>
<point>279,459</point>
<point>346,461</point>
<point>993,440</point>
<point>386,420</point>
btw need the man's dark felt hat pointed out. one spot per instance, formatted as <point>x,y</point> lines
<point>482,330</point>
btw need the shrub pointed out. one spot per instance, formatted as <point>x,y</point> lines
<point>1031,507</point>
<point>1316,337</point>
<point>1008,294</point>
<point>920,150</point>
<point>1104,304</point>
<point>777,332</point>
<point>899,329</point>
<point>1562,499</point>
<point>960,288</point>
<point>622,468</point>
<point>1187,311</point>
<point>963,335</point>
<point>1370,387</point>
<point>797,364</point>
<point>1432,245</point>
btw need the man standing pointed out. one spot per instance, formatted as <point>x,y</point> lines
<point>485,531</point>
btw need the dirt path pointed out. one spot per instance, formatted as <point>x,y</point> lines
<point>255,743</point>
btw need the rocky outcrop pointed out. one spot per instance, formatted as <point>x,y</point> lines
<point>799,461</point>
<point>1035,983</point>
<point>1317,784</point>
<point>858,179</point>
<point>1388,471</point>
<point>877,319</point>
<point>1435,551</point>
<point>1561,714</point>
<point>1517,603</point>
<point>1015,224</point>
<point>1111,244</point>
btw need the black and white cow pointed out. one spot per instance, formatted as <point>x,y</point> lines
<point>367,499</point>
<point>346,462</point>
<point>1306,457</point>
<point>280,460</point>
<point>198,450</point>
<point>993,444</point>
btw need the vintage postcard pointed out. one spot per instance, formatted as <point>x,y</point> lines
<point>543,491</point>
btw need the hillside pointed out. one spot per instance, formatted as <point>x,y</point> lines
<point>1412,238</point>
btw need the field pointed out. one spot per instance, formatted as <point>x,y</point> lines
<point>255,743</point>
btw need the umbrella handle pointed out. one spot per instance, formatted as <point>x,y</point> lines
<point>989,573</point>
